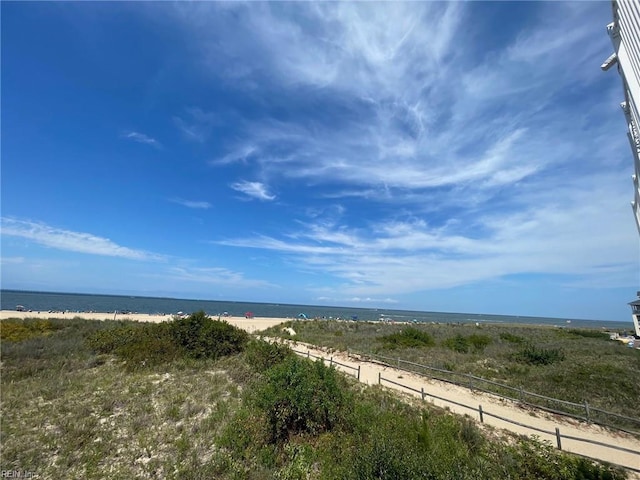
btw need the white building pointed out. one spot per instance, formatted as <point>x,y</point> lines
<point>624,33</point>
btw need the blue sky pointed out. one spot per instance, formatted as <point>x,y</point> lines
<point>464,157</point>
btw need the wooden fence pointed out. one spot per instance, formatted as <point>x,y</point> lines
<point>308,354</point>
<point>580,411</point>
<point>481,411</point>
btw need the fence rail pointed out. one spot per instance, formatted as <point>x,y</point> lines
<point>580,411</point>
<point>308,354</point>
<point>482,412</point>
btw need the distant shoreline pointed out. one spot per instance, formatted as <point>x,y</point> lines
<point>254,323</point>
<point>88,302</point>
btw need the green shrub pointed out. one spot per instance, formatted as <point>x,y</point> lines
<point>246,435</point>
<point>458,344</point>
<point>112,339</point>
<point>263,355</point>
<point>511,338</point>
<point>588,333</point>
<point>202,337</point>
<point>14,330</point>
<point>300,397</point>
<point>533,355</point>
<point>386,458</point>
<point>298,463</point>
<point>409,337</point>
<point>533,458</point>
<point>479,342</point>
<point>462,344</point>
<point>150,345</point>
<point>196,336</point>
<point>140,345</point>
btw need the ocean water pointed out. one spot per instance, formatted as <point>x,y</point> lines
<point>48,301</point>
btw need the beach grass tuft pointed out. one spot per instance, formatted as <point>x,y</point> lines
<point>407,338</point>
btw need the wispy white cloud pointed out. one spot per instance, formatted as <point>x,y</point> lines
<point>253,189</point>
<point>195,124</point>
<point>375,301</point>
<point>356,300</point>
<point>142,138</point>
<point>192,203</point>
<point>11,260</point>
<point>553,235</point>
<point>215,276</point>
<point>71,241</point>
<point>407,95</point>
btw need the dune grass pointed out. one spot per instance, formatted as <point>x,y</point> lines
<point>569,364</point>
<point>72,410</point>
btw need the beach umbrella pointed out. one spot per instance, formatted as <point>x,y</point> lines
<point>248,315</point>
<point>302,315</point>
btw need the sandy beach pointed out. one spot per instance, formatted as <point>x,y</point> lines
<point>251,325</point>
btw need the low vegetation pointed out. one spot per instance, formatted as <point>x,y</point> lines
<point>17,330</point>
<point>568,364</point>
<point>533,355</point>
<point>407,338</point>
<point>119,400</point>
<point>195,336</point>
<point>465,344</point>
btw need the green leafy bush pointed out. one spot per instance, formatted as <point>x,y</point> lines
<point>139,345</point>
<point>387,458</point>
<point>511,338</point>
<point>533,458</point>
<point>462,344</point>
<point>533,355</point>
<point>112,339</point>
<point>458,344</point>
<point>14,330</point>
<point>150,345</point>
<point>300,397</point>
<point>196,336</point>
<point>588,333</point>
<point>263,355</point>
<point>202,337</point>
<point>479,342</point>
<point>409,337</point>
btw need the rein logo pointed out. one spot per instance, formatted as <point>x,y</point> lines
<point>16,474</point>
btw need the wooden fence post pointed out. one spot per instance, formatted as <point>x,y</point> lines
<point>358,372</point>
<point>331,362</point>
<point>422,392</point>
<point>521,394</point>
<point>480,411</point>
<point>379,378</point>
<point>308,354</point>
<point>398,362</point>
<point>586,409</point>
<point>558,438</point>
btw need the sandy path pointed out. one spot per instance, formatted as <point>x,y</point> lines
<point>369,372</point>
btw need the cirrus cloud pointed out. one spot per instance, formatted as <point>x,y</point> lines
<point>257,190</point>
<point>69,240</point>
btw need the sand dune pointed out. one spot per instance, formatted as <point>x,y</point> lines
<point>249,324</point>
